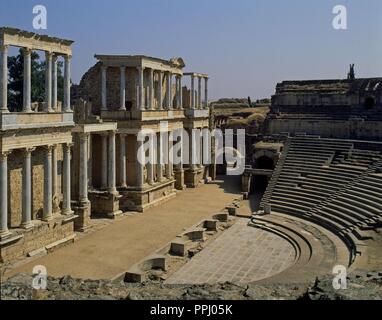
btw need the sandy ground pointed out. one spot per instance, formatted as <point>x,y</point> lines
<point>113,249</point>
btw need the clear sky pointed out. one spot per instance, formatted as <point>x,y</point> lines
<point>246,46</point>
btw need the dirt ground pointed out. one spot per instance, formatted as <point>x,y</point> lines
<point>113,249</point>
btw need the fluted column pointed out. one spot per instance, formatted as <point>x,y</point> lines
<point>66,205</point>
<point>160,90</point>
<point>4,232</point>
<point>169,90</point>
<point>141,89</point>
<point>104,162</point>
<point>159,159</point>
<point>54,171</point>
<point>48,214</point>
<point>199,93</point>
<point>67,75</point>
<point>111,163</point>
<point>54,82</point>
<point>83,184</point>
<point>103,88</point>
<point>206,93</point>
<point>151,89</point>
<point>139,164</point>
<point>48,82</point>
<point>27,80</point>
<point>192,92</point>
<point>123,87</point>
<point>122,160</point>
<point>26,222</point>
<point>3,79</point>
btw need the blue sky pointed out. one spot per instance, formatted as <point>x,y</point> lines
<point>246,46</point>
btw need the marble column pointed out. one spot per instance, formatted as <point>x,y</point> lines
<point>192,92</point>
<point>139,164</point>
<point>26,221</point>
<point>67,76</point>
<point>168,165</point>
<point>160,90</point>
<point>122,161</point>
<point>123,88</point>
<point>192,151</point>
<point>141,89</point>
<point>104,162</point>
<point>48,82</point>
<point>159,159</point>
<point>54,82</point>
<point>27,80</point>
<point>54,171</point>
<point>111,164</point>
<point>150,164</point>
<point>3,79</point>
<point>151,89</point>
<point>66,189</point>
<point>83,183</point>
<point>103,88</point>
<point>199,93</point>
<point>4,195</point>
<point>90,162</point>
<point>169,90</point>
<point>48,200</point>
<point>206,93</point>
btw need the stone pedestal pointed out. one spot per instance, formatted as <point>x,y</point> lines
<point>105,203</point>
<point>194,177</point>
<point>179,179</point>
<point>83,211</point>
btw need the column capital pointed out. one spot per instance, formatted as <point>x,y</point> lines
<point>68,145</point>
<point>4,155</point>
<point>83,135</point>
<point>49,55</point>
<point>28,151</point>
<point>4,47</point>
<point>103,67</point>
<point>26,51</point>
<point>48,148</point>
<point>67,57</point>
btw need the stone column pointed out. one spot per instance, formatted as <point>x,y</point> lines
<point>83,183</point>
<point>139,164</point>
<point>103,88</point>
<point>54,82</point>
<point>206,93</point>
<point>159,159</point>
<point>54,171</point>
<point>192,92</point>
<point>90,162</point>
<point>66,204</point>
<point>48,81</point>
<point>151,89</point>
<point>4,195</point>
<point>122,161</point>
<point>3,79</point>
<point>141,103</point>
<point>104,162</point>
<point>67,76</point>
<point>150,164</point>
<point>27,80</point>
<point>180,92</point>
<point>160,90</point>
<point>170,160</point>
<point>27,190</point>
<point>199,93</point>
<point>48,201</point>
<point>169,90</point>
<point>123,87</point>
<point>192,151</point>
<point>111,164</point>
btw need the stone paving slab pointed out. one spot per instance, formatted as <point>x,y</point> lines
<point>241,254</point>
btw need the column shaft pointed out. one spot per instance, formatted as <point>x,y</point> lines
<point>27,81</point>
<point>159,159</point>
<point>192,92</point>
<point>122,161</point>
<point>66,205</point>
<point>3,78</point>
<point>90,161</point>
<point>4,195</point>
<point>54,171</point>
<point>199,93</point>
<point>54,82</point>
<point>67,75</point>
<point>139,164</point>
<point>111,163</point>
<point>180,93</point>
<point>160,90</point>
<point>206,93</point>
<point>141,89</point>
<point>169,90</point>
<point>151,89</point>
<point>27,191</point>
<point>47,213</point>
<point>48,82</point>
<point>123,88</point>
<point>83,183</point>
<point>104,162</point>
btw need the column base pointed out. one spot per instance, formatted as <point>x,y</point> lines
<point>48,219</point>
<point>27,226</point>
<point>105,203</point>
<point>5,234</point>
<point>179,180</point>
<point>83,211</point>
